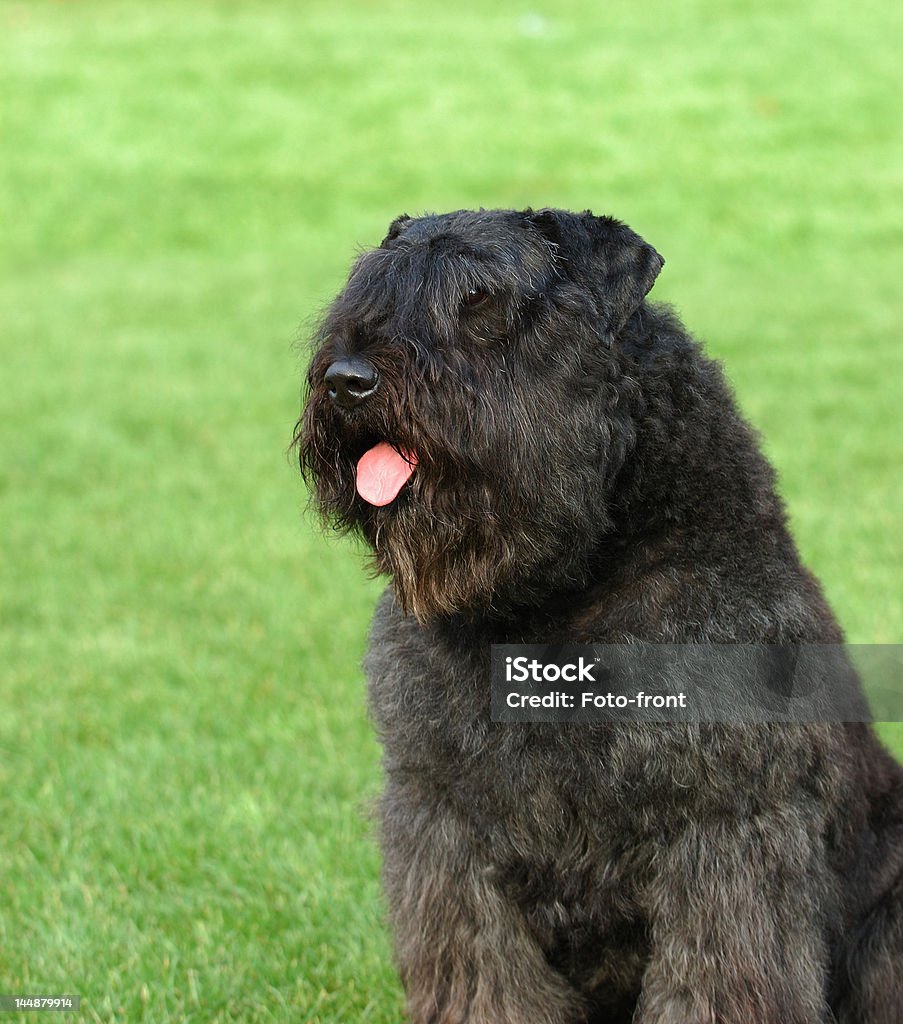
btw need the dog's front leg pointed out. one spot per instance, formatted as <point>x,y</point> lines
<point>464,951</point>
<point>736,938</point>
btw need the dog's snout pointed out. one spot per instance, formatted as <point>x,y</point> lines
<point>350,381</point>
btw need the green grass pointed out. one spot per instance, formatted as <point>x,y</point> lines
<point>184,755</point>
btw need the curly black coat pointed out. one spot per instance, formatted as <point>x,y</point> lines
<point>581,474</point>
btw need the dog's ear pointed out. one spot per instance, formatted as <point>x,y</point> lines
<point>621,266</point>
<point>395,229</point>
<point>553,224</point>
<point>628,266</point>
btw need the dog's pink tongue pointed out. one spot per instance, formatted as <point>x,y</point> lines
<point>382,472</point>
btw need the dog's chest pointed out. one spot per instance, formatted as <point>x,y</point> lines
<point>551,789</point>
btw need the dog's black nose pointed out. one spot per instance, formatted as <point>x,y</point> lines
<point>350,381</point>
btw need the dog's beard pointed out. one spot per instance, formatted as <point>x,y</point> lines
<point>499,521</point>
<point>442,562</point>
<point>455,542</point>
<point>445,548</point>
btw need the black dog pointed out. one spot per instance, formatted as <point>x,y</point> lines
<point>536,454</point>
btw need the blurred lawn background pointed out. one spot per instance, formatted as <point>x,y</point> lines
<point>184,753</point>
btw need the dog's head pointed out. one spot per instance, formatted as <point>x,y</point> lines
<point>467,407</point>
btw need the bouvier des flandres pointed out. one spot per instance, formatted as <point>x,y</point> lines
<point>536,454</point>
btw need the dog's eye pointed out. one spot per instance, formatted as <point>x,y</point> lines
<point>475,297</point>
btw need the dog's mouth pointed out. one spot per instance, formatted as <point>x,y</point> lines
<point>382,471</point>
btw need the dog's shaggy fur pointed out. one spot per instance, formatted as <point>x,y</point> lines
<point>583,475</point>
